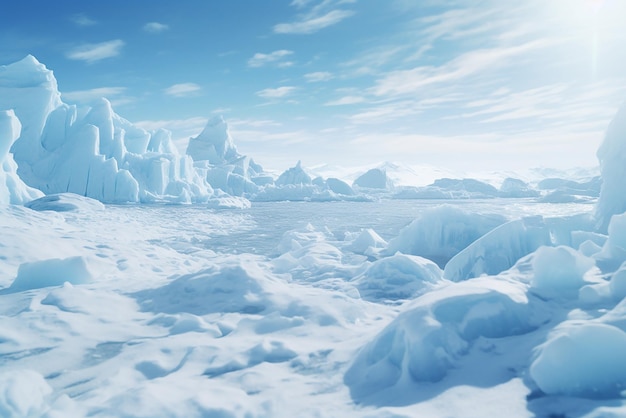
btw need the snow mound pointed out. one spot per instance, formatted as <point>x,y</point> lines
<point>468,188</point>
<point>559,270</point>
<point>52,272</point>
<point>65,202</point>
<point>583,360</point>
<point>612,155</point>
<point>23,393</point>
<point>442,232</point>
<point>12,189</point>
<point>427,340</point>
<point>374,178</point>
<point>499,249</point>
<point>398,277</point>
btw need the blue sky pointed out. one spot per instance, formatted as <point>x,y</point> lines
<point>461,84</point>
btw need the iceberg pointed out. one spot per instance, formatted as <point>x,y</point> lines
<point>90,151</point>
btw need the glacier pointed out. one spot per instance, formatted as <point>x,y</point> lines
<point>224,290</point>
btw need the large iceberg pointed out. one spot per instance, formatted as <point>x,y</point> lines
<point>90,151</point>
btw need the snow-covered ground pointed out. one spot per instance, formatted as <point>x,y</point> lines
<point>201,285</point>
<point>164,310</point>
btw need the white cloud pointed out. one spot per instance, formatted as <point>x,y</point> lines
<point>83,20</point>
<point>183,89</point>
<point>318,76</point>
<point>346,100</point>
<point>155,27</point>
<point>465,65</point>
<point>276,93</point>
<point>260,59</point>
<point>96,52</point>
<point>312,24</point>
<point>86,96</point>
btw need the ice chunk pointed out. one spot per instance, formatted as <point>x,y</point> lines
<point>65,202</point>
<point>427,340</point>
<point>618,283</point>
<point>470,187</point>
<point>368,242</point>
<point>499,249</point>
<point>398,277</point>
<point>559,270</point>
<point>214,144</point>
<point>585,360</point>
<point>442,232</point>
<point>374,178</point>
<point>52,272</point>
<point>612,157</point>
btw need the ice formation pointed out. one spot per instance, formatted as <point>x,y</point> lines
<point>612,154</point>
<point>12,189</point>
<point>442,232</point>
<point>90,151</point>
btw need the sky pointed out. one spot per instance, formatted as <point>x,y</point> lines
<point>458,84</point>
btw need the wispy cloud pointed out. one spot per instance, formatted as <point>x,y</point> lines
<point>85,96</point>
<point>277,93</point>
<point>318,76</point>
<point>309,24</point>
<point>259,59</point>
<point>155,27</point>
<point>346,100</point>
<point>82,20</point>
<point>467,64</point>
<point>95,52</point>
<point>183,90</point>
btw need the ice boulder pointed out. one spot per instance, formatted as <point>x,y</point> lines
<point>294,176</point>
<point>374,178</point>
<point>367,242</point>
<point>228,202</point>
<point>499,249</point>
<point>12,189</point>
<point>559,270</point>
<point>214,144</point>
<point>442,232</point>
<point>65,202</point>
<point>582,360</point>
<point>431,337</point>
<point>52,272</point>
<point>612,157</point>
<point>398,277</point>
